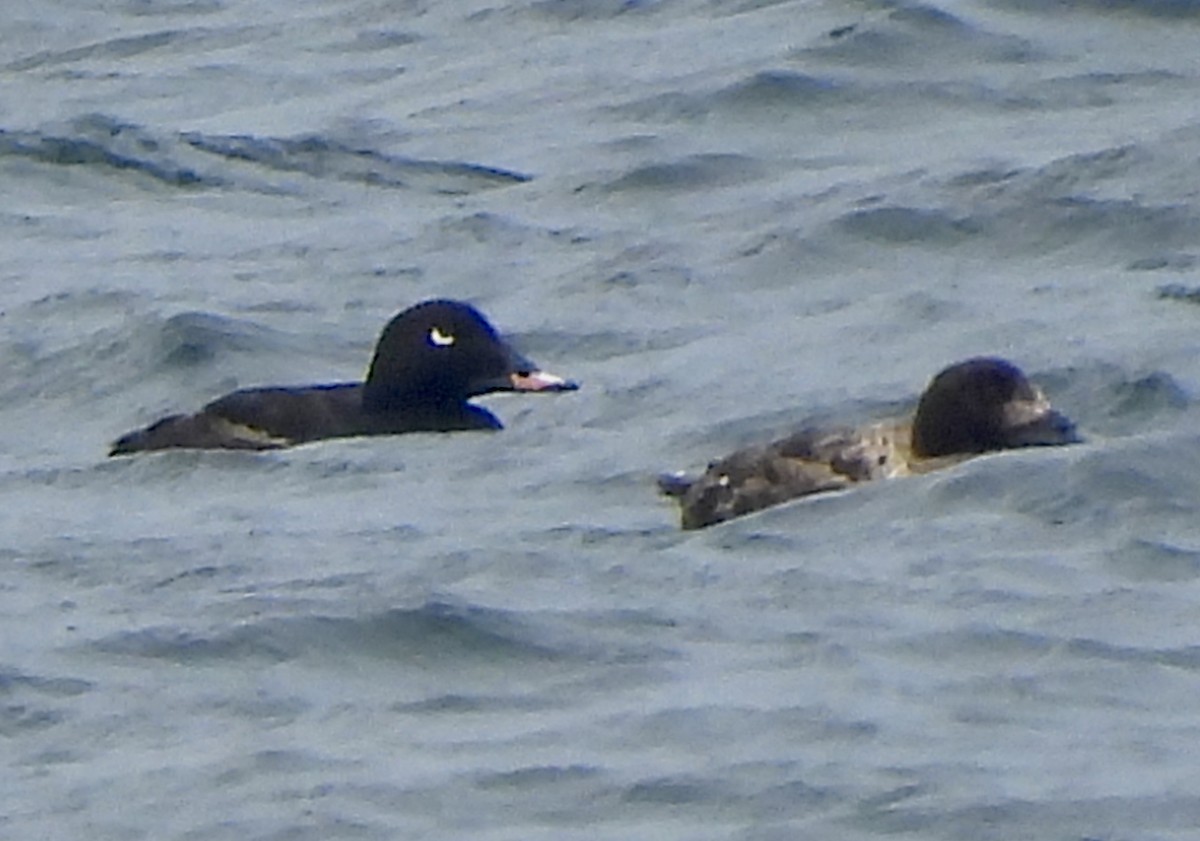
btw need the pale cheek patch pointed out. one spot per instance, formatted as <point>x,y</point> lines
<point>1023,412</point>
<point>439,339</point>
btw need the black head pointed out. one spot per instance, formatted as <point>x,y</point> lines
<point>445,352</point>
<point>985,404</point>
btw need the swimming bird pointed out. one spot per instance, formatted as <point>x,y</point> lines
<point>975,406</point>
<point>430,359</point>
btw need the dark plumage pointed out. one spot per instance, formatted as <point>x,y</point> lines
<point>430,359</point>
<point>972,407</point>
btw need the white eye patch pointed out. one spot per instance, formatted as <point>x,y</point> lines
<point>439,339</point>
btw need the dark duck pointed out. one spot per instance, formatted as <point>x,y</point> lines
<point>972,407</point>
<point>429,361</point>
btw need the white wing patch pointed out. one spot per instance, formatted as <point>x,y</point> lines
<point>242,436</point>
<point>439,339</point>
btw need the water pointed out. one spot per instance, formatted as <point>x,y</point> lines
<point>725,218</point>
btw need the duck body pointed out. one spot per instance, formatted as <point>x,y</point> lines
<point>430,359</point>
<point>975,406</point>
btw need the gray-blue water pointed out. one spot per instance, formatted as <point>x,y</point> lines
<point>724,217</point>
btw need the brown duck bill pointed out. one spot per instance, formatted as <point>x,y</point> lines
<point>1051,428</point>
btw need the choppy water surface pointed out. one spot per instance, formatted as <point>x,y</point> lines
<point>725,218</point>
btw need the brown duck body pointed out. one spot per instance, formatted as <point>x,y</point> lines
<point>975,406</point>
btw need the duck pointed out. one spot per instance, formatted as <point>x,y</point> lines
<point>979,405</point>
<point>429,361</point>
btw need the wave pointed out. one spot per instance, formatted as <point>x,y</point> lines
<point>116,358</point>
<point>1165,9</point>
<point>693,172</point>
<point>976,643</point>
<point>1113,400</point>
<point>908,226</point>
<point>114,48</point>
<point>775,92</point>
<point>1148,477</point>
<point>866,103</point>
<point>1077,200</point>
<point>325,158</point>
<point>33,702</point>
<point>202,161</point>
<point>916,34</point>
<point>434,634</point>
<point>1177,291</point>
<point>577,11</point>
<point>189,338</point>
<point>103,144</point>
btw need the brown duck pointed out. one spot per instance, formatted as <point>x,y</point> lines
<point>975,406</point>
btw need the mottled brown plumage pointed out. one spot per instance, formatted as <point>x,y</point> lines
<point>974,406</point>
